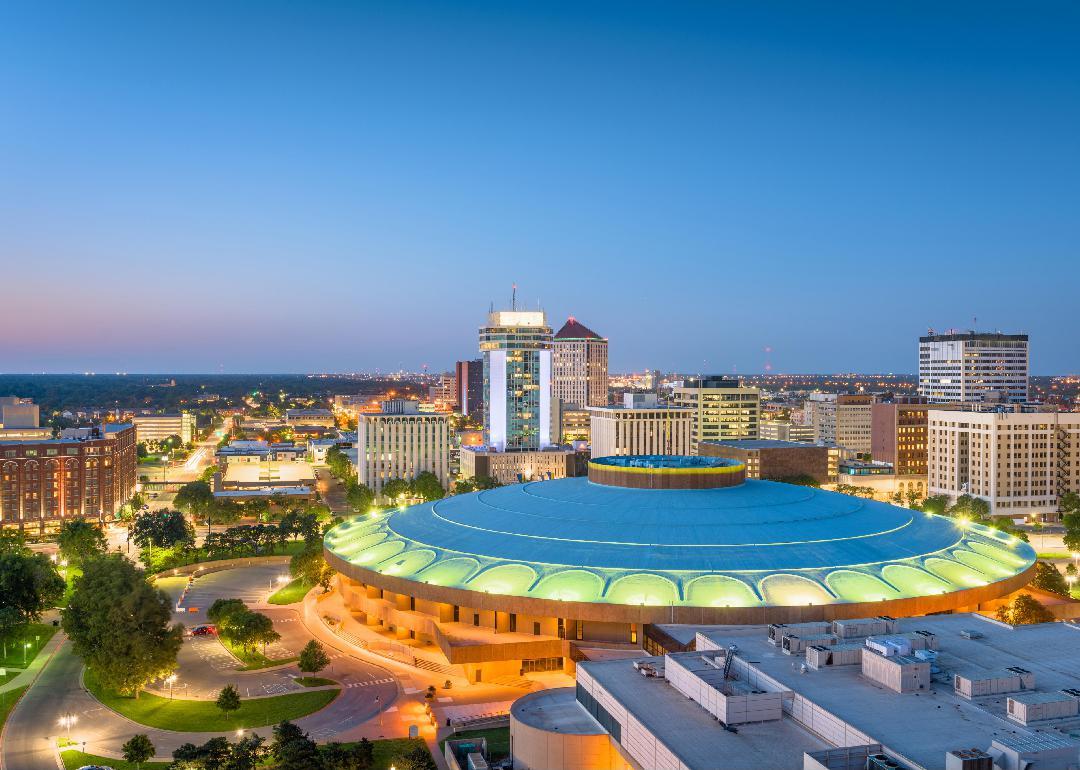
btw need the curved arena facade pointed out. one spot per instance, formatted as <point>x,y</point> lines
<point>655,539</point>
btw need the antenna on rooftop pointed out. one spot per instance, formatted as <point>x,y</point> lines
<point>513,296</point>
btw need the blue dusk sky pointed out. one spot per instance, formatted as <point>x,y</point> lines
<point>323,186</point>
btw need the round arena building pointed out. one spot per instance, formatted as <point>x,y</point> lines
<point>506,580</point>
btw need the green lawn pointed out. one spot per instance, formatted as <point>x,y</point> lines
<point>498,740</point>
<point>204,716</point>
<point>11,674</point>
<point>253,660</point>
<point>1053,554</point>
<point>69,578</point>
<point>290,594</point>
<point>31,634</point>
<point>8,701</point>
<point>314,681</point>
<point>76,759</point>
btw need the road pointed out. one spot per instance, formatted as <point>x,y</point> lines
<point>204,667</point>
<point>332,491</point>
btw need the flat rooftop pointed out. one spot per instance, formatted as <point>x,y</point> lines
<point>271,473</point>
<point>555,710</point>
<point>763,443</point>
<point>922,726</point>
<point>691,733</point>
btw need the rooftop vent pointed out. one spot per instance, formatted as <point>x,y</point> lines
<point>971,633</point>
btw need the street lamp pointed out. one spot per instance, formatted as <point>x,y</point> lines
<point>67,721</point>
<point>24,649</point>
<point>170,680</point>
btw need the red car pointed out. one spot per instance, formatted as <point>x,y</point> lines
<point>204,630</point>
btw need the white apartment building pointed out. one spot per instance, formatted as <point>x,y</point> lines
<point>843,419</point>
<point>970,365</point>
<point>641,426</point>
<point>1018,462</point>
<point>157,427</point>
<point>579,365</point>
<point>723,409</point>
<point>400,442</point>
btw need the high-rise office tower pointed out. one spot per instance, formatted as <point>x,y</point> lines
<point>470,387</point>
<point>517,380</point>
<point>973,366</point>
<point>580,366</point>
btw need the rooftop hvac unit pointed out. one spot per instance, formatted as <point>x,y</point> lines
<point>971,633</point>
<point>968,759</point>
<point>1072,691</point>
<point>882,762</point>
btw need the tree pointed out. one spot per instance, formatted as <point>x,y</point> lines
<point>212,755</point>
<point>359,756</point>
<point>164,529</point>
<point>427,485</point>
<point>359,497</point>
<point>29,584</point>
<point>196,499</point>
<point>416,758</point>
<point>313,658</point>
<point>1048,578</point>
<point>395,488</point>
<point>80,540</point>
<point>936,504</point>
<point>228,699</point>
<point>10,623</point>
<point>249,629</point>
<point>1024,610</point>
<point>310,566</point>
<point>119,625</point>
<point>138,749</point>
<point>293,749</point>
<point>246,754</point>
<point>221,609</point>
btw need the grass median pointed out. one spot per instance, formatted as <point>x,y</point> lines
<point>73,760</point>
<point>252,659</point>
<point>204,715</point>
<point>8,701</point>
<point>292,593</point>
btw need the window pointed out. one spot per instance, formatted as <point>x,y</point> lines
<point>513,622</point>
<point>536,628</point>
<point>457,614</point>
<point>476,622</point>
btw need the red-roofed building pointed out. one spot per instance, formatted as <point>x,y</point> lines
<point>580,365</point>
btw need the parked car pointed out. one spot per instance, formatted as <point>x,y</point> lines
<point>204,629</point>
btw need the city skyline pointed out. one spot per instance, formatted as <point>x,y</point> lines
<point>826,182</point>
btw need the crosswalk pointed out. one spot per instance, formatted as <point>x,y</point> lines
<point>370,682</point>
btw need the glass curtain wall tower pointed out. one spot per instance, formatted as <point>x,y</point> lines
<point>516,345</point>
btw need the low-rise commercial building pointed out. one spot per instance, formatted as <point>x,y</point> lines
<point>1020,462</point>
<point>514,467</point>
<point>44,482</point>
<point>158,427</point>
<point>785,430</point>
<point>883,480</point>
<point>641,426</point>
<point>953,691</point>
<point>321,417</point>
<point>400,442</point>
<point>776,460</point>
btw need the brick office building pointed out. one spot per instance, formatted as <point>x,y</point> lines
<point>766,459</point>
<point>89,472</point>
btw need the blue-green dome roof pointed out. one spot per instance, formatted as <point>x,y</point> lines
<point>759,543</point>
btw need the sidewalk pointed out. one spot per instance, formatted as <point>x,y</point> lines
<point>28,674</point>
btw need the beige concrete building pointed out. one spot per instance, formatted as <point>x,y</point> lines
<point>723,409</point>
<point>519,466</point>
<point>882,479</point>
<point>576,425</point>
<point>842,418</point>
<point>579,364</point>
<point>400,442</point>
<point>1019,462</point>
<point>785,430</point>
<point>323,417</point>
<point>158,427</point>
<point>641,426</point>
